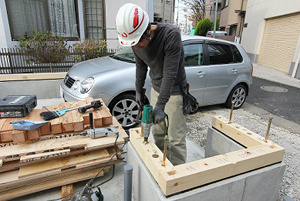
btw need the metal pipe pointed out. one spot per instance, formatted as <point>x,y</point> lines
<point>296,65</point>
<point>232,105</point>
<point>216,13</point>
<point>127,182</point>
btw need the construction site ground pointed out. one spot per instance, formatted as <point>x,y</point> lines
<point>282,132</point>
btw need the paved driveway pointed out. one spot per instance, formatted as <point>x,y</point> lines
<point>278,99</point>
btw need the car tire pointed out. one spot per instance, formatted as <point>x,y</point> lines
<point>125,109</point>
<point>237,95</point>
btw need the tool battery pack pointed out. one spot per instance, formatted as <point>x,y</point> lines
<point>17,105</point>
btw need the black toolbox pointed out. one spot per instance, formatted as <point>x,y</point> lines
<point>17,105</point>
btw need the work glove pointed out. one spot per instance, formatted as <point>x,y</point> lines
<point>140,97</point>
<point>158,115</point>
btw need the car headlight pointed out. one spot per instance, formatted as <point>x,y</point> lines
<point>86,85</point>
<point>76,84</point>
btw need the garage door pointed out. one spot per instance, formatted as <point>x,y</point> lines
<point>279,42</point>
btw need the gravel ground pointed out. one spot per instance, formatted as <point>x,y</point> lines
<point>197,130</point>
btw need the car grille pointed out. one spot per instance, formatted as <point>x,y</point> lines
<point>69,81</point>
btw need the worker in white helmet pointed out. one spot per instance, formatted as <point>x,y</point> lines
<point>159,47</point>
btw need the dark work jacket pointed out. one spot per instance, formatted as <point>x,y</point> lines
<point>165,57</point>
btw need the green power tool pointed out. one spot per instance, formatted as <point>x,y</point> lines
<point>147,120</point>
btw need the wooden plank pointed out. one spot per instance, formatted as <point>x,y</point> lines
<point>151,154</point>
<point>43,130</point>
<point>67,118</point>
<point>19,136</point>
<point>33,134</point>
<point>61,143</point>
<point>97,117</point>
<point>175,179</point>
<point>2,122</point>
<point>50,183</point>
<point>6,136</point>
<point>220,167</point>
<point>42,146</point>
<point>105,113</point>
<point>33,76</point>
<point>7,126</point>
<point>34,157</point>
<point>106,116</point>
<point>56,124</point>
<point>238,133</point>
<point>61,163</point>
<point>77,119</point>
<point>9,180</point>
<point>67,191</point>
<point>85,116</point>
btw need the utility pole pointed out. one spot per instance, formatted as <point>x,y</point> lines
<point>177,13</point>
<point>215,21</point>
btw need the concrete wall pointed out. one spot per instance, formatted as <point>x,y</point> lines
<point>43,89</point>
<point>257,12</point>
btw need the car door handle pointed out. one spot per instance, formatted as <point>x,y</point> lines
<point>234,71</point>
<point>200,73</point>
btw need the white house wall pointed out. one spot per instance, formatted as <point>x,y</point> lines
<point>257,12</point>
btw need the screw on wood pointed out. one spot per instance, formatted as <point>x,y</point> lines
<point>268,130</point>
<point>232,105</point>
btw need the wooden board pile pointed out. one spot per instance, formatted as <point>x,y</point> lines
<point>72,121</point>
<point>56,158</point>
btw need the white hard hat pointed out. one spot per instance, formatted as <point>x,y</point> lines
<point>131,22</point>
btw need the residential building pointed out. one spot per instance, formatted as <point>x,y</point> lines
<point>232,16</point>
<point>164,11</point>
<point>271,34</point>
<point>210,8</point>
<point>74,19</point>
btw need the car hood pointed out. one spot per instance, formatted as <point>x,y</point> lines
<point>95,66</point>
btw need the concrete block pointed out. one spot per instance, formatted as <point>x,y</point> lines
<point>264,183</point>
<point>261,184</point>
<point>217,143</point>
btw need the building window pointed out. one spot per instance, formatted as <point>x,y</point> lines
<point>94,19</point>
<point>224,4</point>
<point>59,17</point>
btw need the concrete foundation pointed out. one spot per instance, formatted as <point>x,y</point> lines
<point>217,143</point>
<point>260,184</point>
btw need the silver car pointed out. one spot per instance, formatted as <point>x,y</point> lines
<point>218,72</point>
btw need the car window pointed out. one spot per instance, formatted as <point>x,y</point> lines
<point>124,54</point>
<point>237,55</point>
<point>193,55</point>
<point>219,54</point>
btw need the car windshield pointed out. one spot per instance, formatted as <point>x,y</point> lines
<point>124,54</point>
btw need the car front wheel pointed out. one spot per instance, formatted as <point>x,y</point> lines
<point>237,96</point>
<point>125,109</point>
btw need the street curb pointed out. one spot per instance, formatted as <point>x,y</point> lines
<point>278,121</point>
<point>278,82</point>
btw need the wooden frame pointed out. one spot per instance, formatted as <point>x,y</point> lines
<point>32,76</point>
<point>175,179</point>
